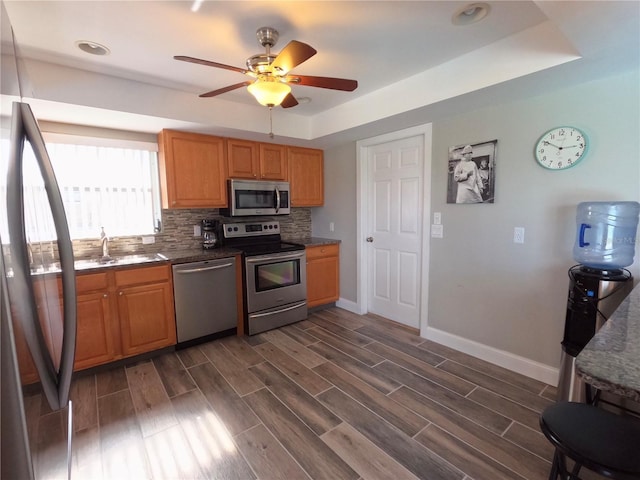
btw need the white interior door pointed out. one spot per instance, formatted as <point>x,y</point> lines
<point>394,236</point>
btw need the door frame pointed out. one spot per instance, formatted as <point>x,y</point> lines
<point>362,223</point>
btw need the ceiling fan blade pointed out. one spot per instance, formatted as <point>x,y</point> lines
<point>323,82</point>
<point>209,64</point>
<point>289,101</point>
<point>292,55</point>
<point>213,93</point>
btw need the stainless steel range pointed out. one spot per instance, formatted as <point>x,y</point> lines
<point>275,275</point>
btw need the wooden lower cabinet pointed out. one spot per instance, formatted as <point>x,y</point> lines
<point>146,318</point>
<point>123,313</point>
<point>94,342</point>
<point>323,274</point>
<point>50,317</point>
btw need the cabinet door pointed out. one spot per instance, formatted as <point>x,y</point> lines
<point>273,162</point>
<point>49,310</point>
<point>147,319</point>
<point>28,371</point>
<point>306,177</point>
<point>242,157</point>
<point>323,275</point>
<point>94,341</point>
<point>193,170</point>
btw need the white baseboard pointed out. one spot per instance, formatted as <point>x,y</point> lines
<point>348,305</point>
<point>515,363</point>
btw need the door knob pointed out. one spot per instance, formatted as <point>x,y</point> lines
<point>370,239</point>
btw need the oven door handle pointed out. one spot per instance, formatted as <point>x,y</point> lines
<point>292,307</point>
<point>278,257</point>
<point>205,269</point>
<point>277,200</point>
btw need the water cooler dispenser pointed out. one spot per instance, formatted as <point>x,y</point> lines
<point>605,244</point>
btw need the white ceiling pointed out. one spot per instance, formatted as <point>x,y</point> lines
<point>404,55</point>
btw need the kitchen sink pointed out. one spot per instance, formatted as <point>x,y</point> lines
<point>90,263</point>
<point>119,260</point>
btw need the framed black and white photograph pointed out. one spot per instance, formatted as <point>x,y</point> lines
<point>472,173</point>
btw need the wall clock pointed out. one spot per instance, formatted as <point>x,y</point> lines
<point>561,148</point>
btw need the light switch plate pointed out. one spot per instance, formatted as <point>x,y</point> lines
<point>437,218</point>
<point>437,231</point>
<point>518,234</point>
<point>148,240</point>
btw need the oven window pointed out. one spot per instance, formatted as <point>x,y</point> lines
<point>277,275</point>
<point>255,198</point>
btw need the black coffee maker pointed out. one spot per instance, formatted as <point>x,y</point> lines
<point>210,234</point>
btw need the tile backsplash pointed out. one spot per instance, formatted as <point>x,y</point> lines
<point>177,232</point>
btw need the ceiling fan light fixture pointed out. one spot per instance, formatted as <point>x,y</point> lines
<point>470,13</point>
<point>269,92</point>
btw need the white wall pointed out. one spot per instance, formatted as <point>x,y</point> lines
<point>340,208</point>
<point>483,287</point>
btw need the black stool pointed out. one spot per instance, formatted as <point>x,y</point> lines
<point>596,439</point>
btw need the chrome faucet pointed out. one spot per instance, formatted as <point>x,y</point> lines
<point>104,240</point>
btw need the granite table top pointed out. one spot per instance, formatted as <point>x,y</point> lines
<point>611,360</point>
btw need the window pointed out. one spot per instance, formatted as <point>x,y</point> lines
<point>102,184</point>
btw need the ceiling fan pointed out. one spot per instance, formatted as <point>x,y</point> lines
<point>271,73</point>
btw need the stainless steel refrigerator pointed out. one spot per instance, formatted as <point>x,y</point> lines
<point>25,277</point>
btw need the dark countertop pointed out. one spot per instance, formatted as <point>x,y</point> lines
<point>611,360</point>
<point>199,254</point>
<point>172,256</point>
<point>311,241</point>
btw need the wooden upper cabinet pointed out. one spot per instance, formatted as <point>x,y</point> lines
<point>306,175</point>
<point>193,170</point>
<point>273,162</point>
<point>242,158</point>
<point>258,161</point>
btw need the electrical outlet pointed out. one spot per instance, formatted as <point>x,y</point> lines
<point>518,234</point>
<point>437,218</point>
<point>197,231</point>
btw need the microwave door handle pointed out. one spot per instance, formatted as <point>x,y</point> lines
<point>277,200</point>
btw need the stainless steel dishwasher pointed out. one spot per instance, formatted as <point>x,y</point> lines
<point>205,298</point>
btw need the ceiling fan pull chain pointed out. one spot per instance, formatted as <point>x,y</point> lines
<point>270,122</point>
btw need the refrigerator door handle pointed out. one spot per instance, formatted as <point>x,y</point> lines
<point>56,385</point>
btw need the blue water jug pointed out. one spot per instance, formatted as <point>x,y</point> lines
<point>606,234</point>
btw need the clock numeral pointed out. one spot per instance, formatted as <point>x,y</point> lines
<point>578,154</point>
<point>561,132</point>
<point>559,164</point>
<point>578,138</point>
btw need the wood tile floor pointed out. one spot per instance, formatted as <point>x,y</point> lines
<point>337,396</point>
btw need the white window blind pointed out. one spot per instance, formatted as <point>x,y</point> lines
<point>101,186</point>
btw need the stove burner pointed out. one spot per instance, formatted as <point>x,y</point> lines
<point>257,238</point>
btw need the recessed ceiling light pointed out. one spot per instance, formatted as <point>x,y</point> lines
<point>92,47</point>
<point>471,13</point>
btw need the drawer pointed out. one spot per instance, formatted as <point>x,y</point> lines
<point>321,251</point>
<point>91,281</point>
<point>136,276</point>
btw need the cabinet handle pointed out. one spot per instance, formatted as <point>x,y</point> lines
<point>105,295</point>
<point>120,293</point>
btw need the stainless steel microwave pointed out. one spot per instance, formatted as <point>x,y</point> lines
<point>257,197</point>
